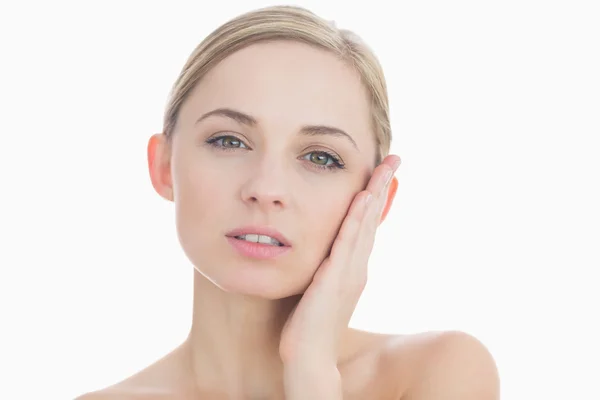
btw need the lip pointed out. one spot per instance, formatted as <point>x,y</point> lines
<point>259,251</point>
<point>260,230</point>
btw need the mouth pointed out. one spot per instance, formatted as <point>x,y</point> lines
<point>260,234</point>
<point>256,250</point>
<point>258,242</point>
<point>263,239</point>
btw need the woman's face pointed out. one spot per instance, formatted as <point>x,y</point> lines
<point>271,160</point>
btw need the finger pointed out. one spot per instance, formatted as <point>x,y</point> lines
<point>348,234</point>
<point>380,184</point>
<point>368,231</point>
<point>374,210</point>
<point>382,174</point>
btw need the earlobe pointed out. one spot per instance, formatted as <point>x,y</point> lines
<point>159,166</point>
<point>390,198</point>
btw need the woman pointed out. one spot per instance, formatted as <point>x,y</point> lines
<point>274,151</point>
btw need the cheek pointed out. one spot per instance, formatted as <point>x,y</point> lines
<point>327,222</point>
<point>200,198</point>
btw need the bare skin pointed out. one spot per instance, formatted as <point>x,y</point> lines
<point>375,366</point>
<point>266,176</point>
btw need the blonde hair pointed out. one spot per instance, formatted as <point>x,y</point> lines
<point>286,23</point>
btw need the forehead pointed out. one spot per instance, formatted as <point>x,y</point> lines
<point>287,83</point>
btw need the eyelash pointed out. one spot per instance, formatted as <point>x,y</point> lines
<point>336,165</point>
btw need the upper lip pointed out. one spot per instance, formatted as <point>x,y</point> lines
<point>260,230</point>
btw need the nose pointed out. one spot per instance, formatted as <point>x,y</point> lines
<point>266,187</point>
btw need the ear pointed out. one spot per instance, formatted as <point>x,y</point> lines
<point>390,198</point>
<point>159,165</point>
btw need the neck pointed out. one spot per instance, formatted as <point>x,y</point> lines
<point>234,341</point>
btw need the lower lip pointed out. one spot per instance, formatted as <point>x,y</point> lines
<point>257,250</point>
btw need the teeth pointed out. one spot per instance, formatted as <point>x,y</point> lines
<point>251,237</point>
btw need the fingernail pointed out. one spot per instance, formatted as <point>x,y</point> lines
<point>397,163</point>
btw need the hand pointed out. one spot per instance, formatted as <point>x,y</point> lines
<point>314,327</point>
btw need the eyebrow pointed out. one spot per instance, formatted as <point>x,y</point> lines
<point>307,130</point>
<point>238,116</point>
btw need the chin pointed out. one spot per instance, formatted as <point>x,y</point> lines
<point>267,283</point>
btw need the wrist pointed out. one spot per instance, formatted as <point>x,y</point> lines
<point>312,380</point>
<point>309,356</point>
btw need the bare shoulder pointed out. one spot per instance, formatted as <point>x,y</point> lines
<point>117,393</point>
<point>135,393</point>
<point>162,380</point>
<point>107,394</point>
<point>441,365</point>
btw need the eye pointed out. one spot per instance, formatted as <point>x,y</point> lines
<point>320,160</point>
<point>227,142</point>
<point>324,160</point>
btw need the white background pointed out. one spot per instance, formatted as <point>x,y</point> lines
<point>495,111</point>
